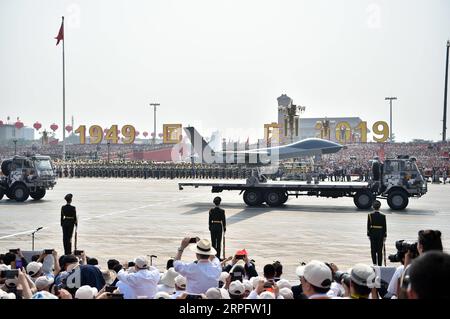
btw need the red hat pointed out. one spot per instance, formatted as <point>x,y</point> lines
<point>242,252</point>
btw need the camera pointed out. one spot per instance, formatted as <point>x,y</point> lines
<point>239,256</point>
<point>342,276</point>
<point>78,252</point>
<point>403,247</point>
<point>9,274</point>
<point>48,251</point>
<point>131,264</point>
<point>110,289</point>
<point>194,240</point>
<point>114,295</point>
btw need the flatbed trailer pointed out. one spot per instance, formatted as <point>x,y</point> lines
<point>276,193</point>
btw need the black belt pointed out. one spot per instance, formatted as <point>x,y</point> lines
<point>216,221</point>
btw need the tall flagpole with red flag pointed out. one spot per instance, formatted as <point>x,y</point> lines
<point>60,37</point>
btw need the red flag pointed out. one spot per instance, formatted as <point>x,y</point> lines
<point>60,35</point>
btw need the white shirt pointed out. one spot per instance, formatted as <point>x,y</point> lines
<point>125,290</point>
<point>142,283</point>
<point>165,288</point>
<point>336,290</point>
<point>393,284</point>
<point>177,294</point>
<point>199,276</point>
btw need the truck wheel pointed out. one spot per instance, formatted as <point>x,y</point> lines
<point>253,197</point>
<point>21,193</point>
<point>38,194</point>
<point>6,167</point>
<point>9,193</point>
<point>398,200</point>
<point>274,198</point>
<point>284,198</point>
<point>363,199</point>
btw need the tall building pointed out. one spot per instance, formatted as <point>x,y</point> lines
<point>9,132</point>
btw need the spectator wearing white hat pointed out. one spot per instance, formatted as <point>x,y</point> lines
<point>167,281</point>
<point>213,293</point>
<point>86,292</point>
<point>316,280</point>
<point>200,275</point>
<point>142,282</point>
<point>180,286</point>
<point>223,278</point>
<point>34,270</point>
<point>43,283</point>
<point>362,282</point>
<point>286,293</point>
<point>248,286</point>
<point>297,290</point>
<point>236,290</point>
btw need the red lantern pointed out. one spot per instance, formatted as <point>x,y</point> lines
<point>145,134</point>
<point>69,128</point>
<point>153,134</point>
<point>137,133</point>
<point>160,135</point>
<point>37,126</point>
<point>54,127</point>
<point>18,125</point>
<point>1,123</point>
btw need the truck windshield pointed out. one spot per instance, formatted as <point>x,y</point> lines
<point>43,165</point>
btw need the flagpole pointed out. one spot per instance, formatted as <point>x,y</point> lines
<point>64,96</point>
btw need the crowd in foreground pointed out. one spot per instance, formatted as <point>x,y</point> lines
<point>48,276</point>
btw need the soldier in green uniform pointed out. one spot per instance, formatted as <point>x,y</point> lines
<point>377,233</point>
<point>217,225</point>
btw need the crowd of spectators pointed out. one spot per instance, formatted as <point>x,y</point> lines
<point>424,274</point>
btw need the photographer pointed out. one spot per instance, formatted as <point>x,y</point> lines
<point>249,267</point>
<point>201,274</point>
<point>143,281</point>
<point>316,280</point>
<point>362,282</point>
<point>428,240</point>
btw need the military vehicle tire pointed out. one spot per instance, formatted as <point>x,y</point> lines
<point>363,199</point>
<point>38,194</point>
<point>274,198</point>
<point>20,192</point>
<point>6,167</point>
<point>397,200</point>
<point>284,198</point>
<point>253,197</point>
<point>10,194</point>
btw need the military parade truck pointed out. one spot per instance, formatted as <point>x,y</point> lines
<point>395,180</point>
<point>26,176</point>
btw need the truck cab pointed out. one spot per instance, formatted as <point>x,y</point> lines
<point>401,179</point>
<point>26,176</point>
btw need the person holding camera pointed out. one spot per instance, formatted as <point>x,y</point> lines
<point>68,222</point>
<point>249,266</point>
<point>377,233</point>
<point>217,225</point>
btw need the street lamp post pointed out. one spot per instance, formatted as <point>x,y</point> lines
<point>444,125</point>
<point>15,146</point>
<point>390,115</point>
<point>154,121</point>
<point>109,144</point>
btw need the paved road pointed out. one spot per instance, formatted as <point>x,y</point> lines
<point>123,218</point>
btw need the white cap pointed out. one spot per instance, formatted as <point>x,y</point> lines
<point>255,281</point>
<point>4,267</point>
<point>248,285</point>
<point>286,293</point>
<point>300,271</point>
<point>168,278</point>
<point>162,295</point>
<point>363,275</point>
<point>213,293</point>
<point>180,281</point>
<point>266,295</point>
<point>141,262</point>
<point>283,283</point>
<point>318,274</point>
<point>33,268</point>
<point>225,293</point>
<point>236,288</point>
<point>43,282</point>
<point>5,295</point>
<point>224,276</point>
<point>86,292</point>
